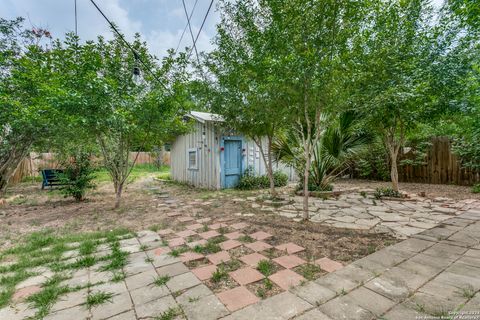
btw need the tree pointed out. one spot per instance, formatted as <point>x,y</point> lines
<point>317,58</point>
<point>25,114</point>
<point>394,78</point>
<point>112,106</point>
<point>244,65</point>
<point>341,143</point>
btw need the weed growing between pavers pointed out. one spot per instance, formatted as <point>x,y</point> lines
<point>219,274</point>
<point>209,248</point>
<point>98,298</point>
<point>178,251</point>
<point>266,267</point>
<point>170,314</point>
<point>309,271</point>
<point>47,249</point>
<point>246,239</point>
<point>162,280</point>
<point>118,276</point>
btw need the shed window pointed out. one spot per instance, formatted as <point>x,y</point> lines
<point>192,159</point>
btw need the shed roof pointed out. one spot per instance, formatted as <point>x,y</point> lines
<point>205,116</point>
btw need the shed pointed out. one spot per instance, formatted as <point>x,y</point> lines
<point>213,157</point>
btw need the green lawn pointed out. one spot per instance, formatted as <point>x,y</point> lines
<point>138,171</point>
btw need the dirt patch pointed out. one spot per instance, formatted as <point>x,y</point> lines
<point>143,208</point>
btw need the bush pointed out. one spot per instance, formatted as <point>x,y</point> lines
<point>386,192</point>
<point>250,181</point>
<point>77,176</point>
<point>476,188</point>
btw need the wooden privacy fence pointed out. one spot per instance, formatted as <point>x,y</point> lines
<point>441,166</point>
<point>31,165</point>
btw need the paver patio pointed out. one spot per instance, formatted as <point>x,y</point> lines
<point>434,272</point>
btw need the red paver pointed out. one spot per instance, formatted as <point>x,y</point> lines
<point>328,264</point>
<point>195,226</point>
<point>165,232</point>
<point>203,220</point>
<point>230,244</point>
<point>237,298</point>
<point>190,256</point>
<point>161,250</point>
<point>290,261</point>
<point>239,226</point>
<point>219,257</point>
<point>26,292</point>
<point>193,244</point>
<point>260,235</point>
<point>234,235</point>
<point>246,275</point>
<point>286,279</point>
<point>174,214</point>
<point>209,234</point>
<point>205,273</point>
<point>253,259</point>
<point>186,233</point>
<point>175,242</point>
<point>216,226</point>
<point>258,246</point>
<point>290,247</point>
<point>185,219</point>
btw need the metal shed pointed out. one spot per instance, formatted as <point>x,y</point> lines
<point>211,156</point>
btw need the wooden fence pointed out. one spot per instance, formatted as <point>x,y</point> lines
<point>441,166</point>
<point>31,165</point>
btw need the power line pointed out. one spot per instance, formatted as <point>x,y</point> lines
<point>190,28</point>
<point>186,26</point>
<point>201,27</point>
<point>128,45</point>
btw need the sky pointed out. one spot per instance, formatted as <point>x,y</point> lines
<point>160,22</point>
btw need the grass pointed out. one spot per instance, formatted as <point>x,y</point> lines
<point>468,292</point>
<point>178,251</point>
<point>46,248</point>
<point>118,276</point>
<point>162,280</point>
<point>265,267</point>
<point>170,314</point>
<point>98,298</point>
<point>101,175</point>
<point>208,248</point>
<point>219,274</point>
<point>246,238</point>
<point>309,271</point>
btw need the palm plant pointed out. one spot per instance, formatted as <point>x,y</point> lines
<point>339,145</point>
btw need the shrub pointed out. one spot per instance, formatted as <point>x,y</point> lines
<point>250,181</point>
<point>476,188</point>
<point>77,176</point>
<point>386,192</point>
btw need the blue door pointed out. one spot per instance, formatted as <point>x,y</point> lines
<point>232,163</point>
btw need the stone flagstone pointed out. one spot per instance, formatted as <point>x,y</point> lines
<point>237,298</point>
<point>290,261</point>
<point>286,279</point>
<point>328,264</point>
<point>246,275</point>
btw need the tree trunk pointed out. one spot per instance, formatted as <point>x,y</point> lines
<point>273,192</point>
<point>118,195</point>
<point>268,163</point>
<point>8,167</point>
<point>306,175</point>
<point>394,169</point>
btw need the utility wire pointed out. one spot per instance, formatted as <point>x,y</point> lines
<point>129,46</point>
<point>190,28</point>
<point>186,26</point>
<point>201,27</point>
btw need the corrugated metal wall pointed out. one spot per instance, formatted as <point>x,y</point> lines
<point>254,159</point>
<point>206,140</point>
